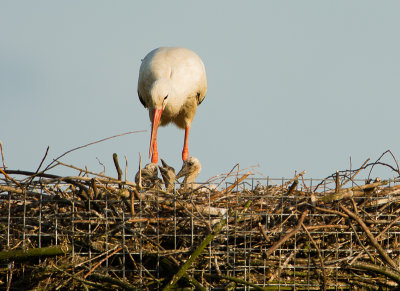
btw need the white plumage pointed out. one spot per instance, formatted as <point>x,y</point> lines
<point>172,83</point>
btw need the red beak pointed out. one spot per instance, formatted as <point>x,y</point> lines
<point>154,126</point>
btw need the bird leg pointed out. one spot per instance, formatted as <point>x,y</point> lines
<point>185,151</point>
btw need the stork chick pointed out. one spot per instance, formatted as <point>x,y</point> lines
<point>168,175</point>
<point>149,176</point>
<point>190,170</point>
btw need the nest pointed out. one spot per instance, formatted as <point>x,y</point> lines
<point>91,231</point>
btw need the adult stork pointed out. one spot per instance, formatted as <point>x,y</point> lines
<point>172,83</point>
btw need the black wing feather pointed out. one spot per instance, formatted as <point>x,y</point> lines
<point>141,100</point>
<point>199,100</point>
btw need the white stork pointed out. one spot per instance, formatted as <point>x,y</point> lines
<point>172,83</point>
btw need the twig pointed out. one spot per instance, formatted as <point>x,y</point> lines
<point>89,144</point>
<point>17,190</point>
<point>314,227</point>
<point>356,173</point>
<point>96,257</point>
<point>344,171</point>
<point>40,165</point>
<point>94,187</point>
<point>305,186</point>
<point>292,187</point>
<point>286,262</point>
<point>229,174</point>
<point>361,244</point>
<point>388,226</point>
<point>262,230</point>
<point>86,179</point>
<point>11,179</point>
<point>140,173</point>
<point>34,252</point>
<point>126,166</point>
<point>77,278</point>
<point>378,236</point>
<point>111,280</point>
<point>393,274</point>
<point>101,261</point>
<point>376,163</point>
<point>243,282</point>
<point>395,160</point>
<point>101,164</point>
<point>81,170</point>
<point>2,155</point>
<point>354,205</point>
<point>217,266</point>
<point>350,192</point>
<point>296,177</point>
<point>132,196</point>
<point>11,275</point>
<point>288,235</point>
<point>370,236</point>
<point>337,188</point>
<point>43,159</point>
<point>116,164</point>
<point>226,176</point>
<point>324,276</point>
<point>230,188</point>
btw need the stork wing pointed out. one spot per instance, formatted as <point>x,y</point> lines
<point>141,99</point>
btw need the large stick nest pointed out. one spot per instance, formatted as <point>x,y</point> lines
<point>91,231</point>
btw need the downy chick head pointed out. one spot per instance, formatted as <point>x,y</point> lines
<point>190,170</point>
<point>168,175</point>
<point>149,175</point>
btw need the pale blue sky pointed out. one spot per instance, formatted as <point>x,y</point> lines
<point>292,85</point>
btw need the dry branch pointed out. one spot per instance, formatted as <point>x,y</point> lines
<point>34,252</point>
<point>117,167</point>
<point>370,236</point>
<point>288,235</point>
<point>340,194</point>
<point>390,273</point>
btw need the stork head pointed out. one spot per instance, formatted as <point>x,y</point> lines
<point>190,169</point>
<point>159,92</point>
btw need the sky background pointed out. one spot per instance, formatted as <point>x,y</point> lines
<point>292,85</point>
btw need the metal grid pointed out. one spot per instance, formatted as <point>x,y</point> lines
<point>138,247</point>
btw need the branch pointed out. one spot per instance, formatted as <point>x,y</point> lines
<point>324,276</point>
<point>288,235</point>
<point>116,164</point>
<point>230,188</point>
<point>34,252</point>
<point>89,144</point>
<point>243,282</point>
<point>350,192</point>
<point>394,275</point>
<point>111,280</point>
<point>370,236</point>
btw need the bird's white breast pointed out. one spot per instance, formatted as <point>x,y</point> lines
<point>185,72</point>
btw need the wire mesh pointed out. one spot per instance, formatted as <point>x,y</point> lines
<point>144,238</point>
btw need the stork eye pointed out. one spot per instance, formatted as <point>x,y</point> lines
<point>165,98</point>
